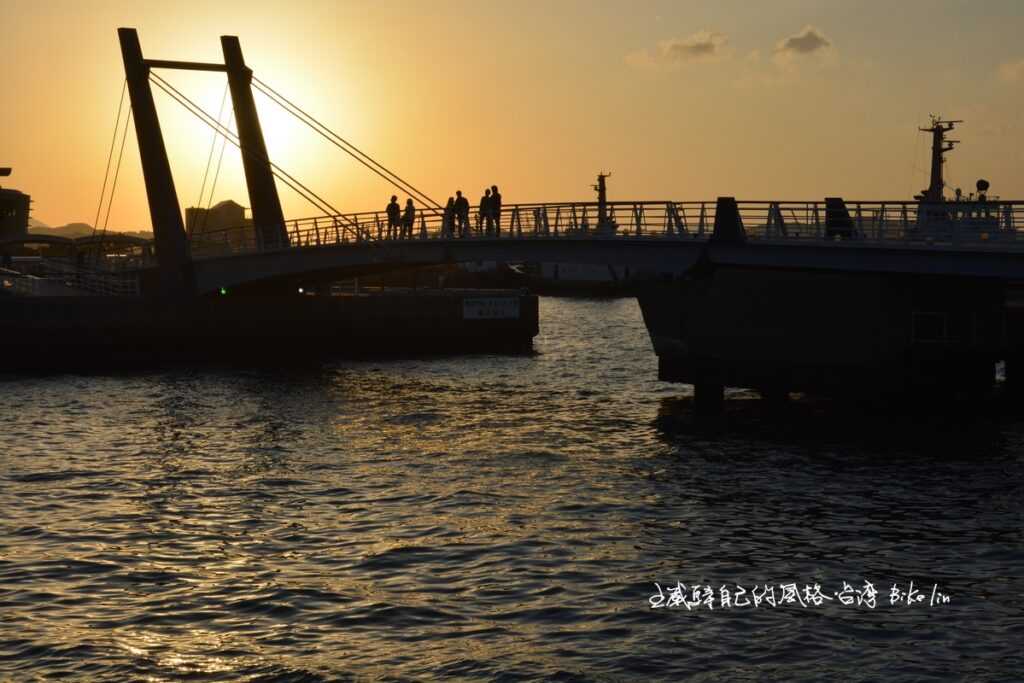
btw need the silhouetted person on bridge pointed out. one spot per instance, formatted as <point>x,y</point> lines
<point>496,209</point>
<point>484,218</point>
<point>462,213</point>
<point>394,217</point>
<point>449,218</point>
<point>408,219</point>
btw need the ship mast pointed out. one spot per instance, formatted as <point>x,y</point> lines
<point>940,145</point>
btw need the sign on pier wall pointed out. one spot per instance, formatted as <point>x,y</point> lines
<point>490,308</point>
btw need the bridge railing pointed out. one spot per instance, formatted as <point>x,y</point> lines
<point>897,223</point>
<point>548,220</point>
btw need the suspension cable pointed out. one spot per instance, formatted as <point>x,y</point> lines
<point>196,110</point>
<point>302,190</point>
<point>117,172</point>
<point>213,188</point>
<point>209,158</point>
<point>110,156</point>
<point>343,144</point>
<point>319,202</point>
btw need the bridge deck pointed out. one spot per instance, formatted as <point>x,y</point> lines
<point>954,238</point>
<point>978,239</point>
<point>958,225</point>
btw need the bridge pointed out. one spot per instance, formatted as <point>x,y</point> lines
<point>655,239</point>
<point>652,238</point>
<point>820,293</point>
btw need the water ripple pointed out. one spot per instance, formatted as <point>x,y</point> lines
<point>491,518</point>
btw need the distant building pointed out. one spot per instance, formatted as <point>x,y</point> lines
<point>14,209</point>
<point>224,222</point>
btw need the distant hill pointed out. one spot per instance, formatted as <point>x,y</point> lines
<point>74,230</point>
<point>69,230</point>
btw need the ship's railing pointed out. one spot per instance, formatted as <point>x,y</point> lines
<point>38,276</point>
<point>896,223</point>
<point>994,224</point>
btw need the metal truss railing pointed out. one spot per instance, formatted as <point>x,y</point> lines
<point>988,225</point>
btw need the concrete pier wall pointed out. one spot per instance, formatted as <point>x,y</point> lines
<point>44,332</point>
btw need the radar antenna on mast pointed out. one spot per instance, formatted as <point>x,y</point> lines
<point>940,145</point>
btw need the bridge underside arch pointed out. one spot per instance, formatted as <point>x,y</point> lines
<point>346,261</point>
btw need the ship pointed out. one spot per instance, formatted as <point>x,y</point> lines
<point>844,331</point>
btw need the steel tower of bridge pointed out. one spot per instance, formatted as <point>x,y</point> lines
<point>175,263</point>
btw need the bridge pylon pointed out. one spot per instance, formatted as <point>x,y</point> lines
<point>173,257</point>
<point>267,216</point>
<point>173,252</point>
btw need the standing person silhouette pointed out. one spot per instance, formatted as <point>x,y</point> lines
<point>449,218</point>
<point>408,218</point>
<point>484,217</point>
<point>394,217</point>
<point>462,213</point>
<point>496,209</point>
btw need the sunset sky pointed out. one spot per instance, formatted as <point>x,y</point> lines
<point>679,100</point>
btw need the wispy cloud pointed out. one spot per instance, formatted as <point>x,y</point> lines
<point>806,42</point>
<point>700,46</point>
<point>808,46</point>
<point>1011,72</point>
<point>703,46</point>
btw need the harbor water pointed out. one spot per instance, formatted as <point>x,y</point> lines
<point>499,517</point>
